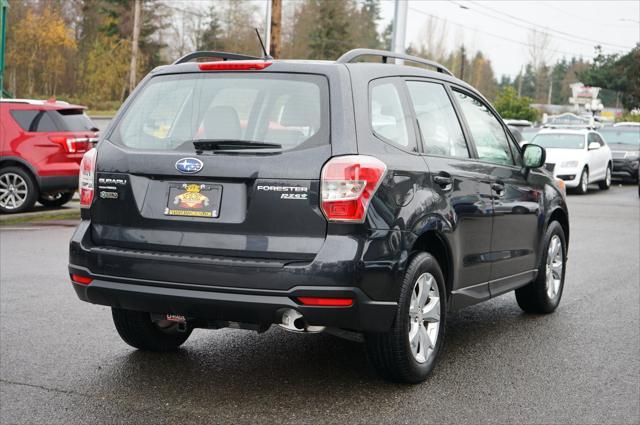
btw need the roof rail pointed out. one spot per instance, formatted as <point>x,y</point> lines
<point>213,54</point>
<point>354,54</point>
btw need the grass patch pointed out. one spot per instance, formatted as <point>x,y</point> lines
<point>99,113</point>
<point>45,216</point>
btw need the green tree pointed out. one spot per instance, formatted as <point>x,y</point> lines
<point>329,37</point>
<point>212,37</point>
<point>558,72</point>
<point>364,25</point>
<point>616,72</point>
<point>509,105</point>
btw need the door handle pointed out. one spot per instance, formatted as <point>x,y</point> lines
<point>442,181</point>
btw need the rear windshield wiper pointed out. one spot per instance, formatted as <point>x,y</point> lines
<point>223,144</point>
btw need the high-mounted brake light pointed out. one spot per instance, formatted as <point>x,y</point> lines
<point>347,186</point>
<point>72,144</point>
<point>81,279</point>
<point>87,178</point>
<point>326,302</point>
<point>233,66</point>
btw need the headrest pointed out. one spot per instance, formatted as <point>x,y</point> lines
<point>222,122</point>
<point>301,110</point>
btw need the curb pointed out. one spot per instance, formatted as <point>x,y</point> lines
<point>71,211</point>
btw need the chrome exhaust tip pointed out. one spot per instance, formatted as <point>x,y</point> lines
<point>293,321</point>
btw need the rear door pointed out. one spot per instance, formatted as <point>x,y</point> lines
<point>156,191</point>
<point>517,199</point>
<point>463,188</point>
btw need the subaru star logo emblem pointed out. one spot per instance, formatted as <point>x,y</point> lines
<point>189,165</point>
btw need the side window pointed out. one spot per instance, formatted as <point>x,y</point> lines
<point>34,120</point>
<point>25,118</point>
<point>439,125</point>
<point>46,123</point>
<point>515,151</point>
<point>598,139</point>
<point>389,118</point>
<point>488,134</point>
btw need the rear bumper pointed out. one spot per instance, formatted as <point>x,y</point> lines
<point>254,307</point>
<point>244,290</point>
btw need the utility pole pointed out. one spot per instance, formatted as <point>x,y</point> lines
<point>134,46</point>
<point>550,91</point>
<point>4,8</point>
<point>267,27</point>
<point>276,21</point>
<point>399,28</point>
<point>462,60</point>
<point>520,77</point>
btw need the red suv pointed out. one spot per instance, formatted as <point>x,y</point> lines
<point>41,146</point>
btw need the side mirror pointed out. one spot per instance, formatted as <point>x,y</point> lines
<point>593,146</point>
<point>533,156</point>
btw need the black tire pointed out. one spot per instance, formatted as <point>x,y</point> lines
<point>57,199</point>
<point>29,198</point>
<point>390,352</point>
<point>137,330</point>
<point>606,183</point>
<point>534,298</point>
<point>582,187</point>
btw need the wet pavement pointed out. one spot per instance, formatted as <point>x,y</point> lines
<point>61,360</point>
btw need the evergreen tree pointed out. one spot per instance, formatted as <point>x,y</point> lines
<point>329,35</point>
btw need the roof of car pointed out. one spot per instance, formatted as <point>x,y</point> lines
<point>582,131</point>
<point>352,58</point>
<point>45,104</point>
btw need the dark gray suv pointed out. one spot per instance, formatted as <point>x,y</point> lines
<point>367,200</point>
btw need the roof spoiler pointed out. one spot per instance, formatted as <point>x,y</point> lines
<point>214,54</point>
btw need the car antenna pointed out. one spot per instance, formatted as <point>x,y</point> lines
<point>266,56</point>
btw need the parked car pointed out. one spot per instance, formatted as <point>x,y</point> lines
<point>579,157</point>
<point>528,133</point>
<point>354,198</point>
<point>521,124</point>
<point>625,150</point>
<point>41,146</point>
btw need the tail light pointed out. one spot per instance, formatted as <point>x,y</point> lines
<point>233,66</point>
<point>347,186</point>
<point>87,179</point>
<point>73,144</point>
<point>81,279</point>
<point>326,302</point>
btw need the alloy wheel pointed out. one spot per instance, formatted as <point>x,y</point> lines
<point>424,317</point>
<point>13,191</point>
<point>555,264</point>
<point>585,181</point>
<point>608,177</point>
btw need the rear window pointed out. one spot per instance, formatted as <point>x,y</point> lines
<point>40,121</point>
<point>172,111</point>
<point>73,120</point>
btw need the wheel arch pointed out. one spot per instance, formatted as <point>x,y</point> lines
<point>12,161</point>
<point>433,242</point>
<point>561,217</point>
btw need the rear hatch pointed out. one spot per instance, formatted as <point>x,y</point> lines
<point>216,164</point>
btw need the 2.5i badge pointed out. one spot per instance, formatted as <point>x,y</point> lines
<point>193,200</point>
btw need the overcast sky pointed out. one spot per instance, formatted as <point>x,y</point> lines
<point>501,29</point>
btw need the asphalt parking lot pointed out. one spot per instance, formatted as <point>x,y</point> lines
<point>61,360</point>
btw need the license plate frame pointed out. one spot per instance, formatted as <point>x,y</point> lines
<point>200,200</point>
